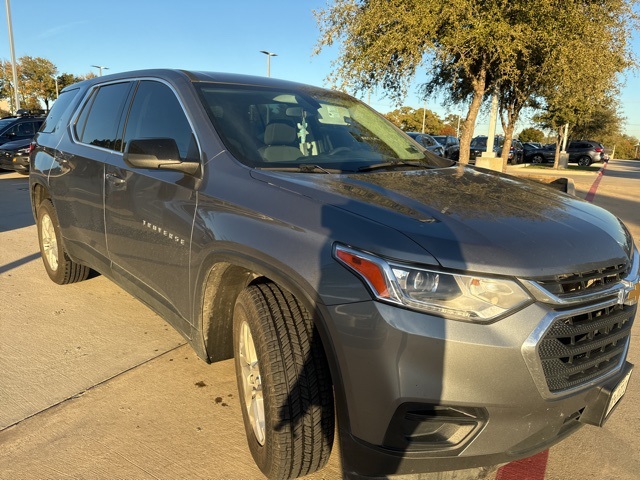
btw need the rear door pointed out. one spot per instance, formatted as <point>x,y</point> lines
<point>149,213</point>
<point>77,177</point>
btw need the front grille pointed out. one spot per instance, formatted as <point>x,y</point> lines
<point>579,348</point>
<point>586,282</point>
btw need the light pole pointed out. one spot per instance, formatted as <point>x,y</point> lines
<point>13,57</point>
<point>100,68</point>
<point>269,55</point>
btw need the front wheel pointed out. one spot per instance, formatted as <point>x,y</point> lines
<point>537,159</point>
<point>283,382</point>
<point>60,268</point>
<point>584,161</point>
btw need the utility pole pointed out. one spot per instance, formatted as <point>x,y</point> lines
<point>424,115</point>
<point>13,57</point>
<point>493,119</point>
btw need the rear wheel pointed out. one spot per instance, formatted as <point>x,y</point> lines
<point>584,161</point>
<point>283,381</point>
<point>537,159</point>
<point>60,268</point>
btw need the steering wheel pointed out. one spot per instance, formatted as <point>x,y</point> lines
<point>339,149</point>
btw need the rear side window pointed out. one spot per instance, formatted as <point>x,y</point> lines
<point>57,110</point>
<point>157,113</point>
<point>98,123</point>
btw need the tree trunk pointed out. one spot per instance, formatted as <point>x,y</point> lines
<point>556,161</point>
<point>508,126</point>
<point>472,115</point>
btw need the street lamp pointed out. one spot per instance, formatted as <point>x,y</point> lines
<point>13,57</point>
<point>100,67</point>
<point>269,55</point>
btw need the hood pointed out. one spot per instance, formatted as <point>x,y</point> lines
<point>471,219</point>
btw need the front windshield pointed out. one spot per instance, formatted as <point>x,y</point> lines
<point>307,128</point>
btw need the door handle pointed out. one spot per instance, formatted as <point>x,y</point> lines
<point>115,180</point>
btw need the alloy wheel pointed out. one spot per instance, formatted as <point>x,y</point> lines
<point>252,382</point>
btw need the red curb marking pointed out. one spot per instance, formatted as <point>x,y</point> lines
<point>532,468</point>
<point>592,191</point>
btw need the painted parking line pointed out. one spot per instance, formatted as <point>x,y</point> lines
<point>532,468</point>
<point>594,187</point>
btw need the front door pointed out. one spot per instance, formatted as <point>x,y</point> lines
<point>149,213</point>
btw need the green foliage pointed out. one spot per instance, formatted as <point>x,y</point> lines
<point>409,119</point>
<point>36,81</point>
<point>534,52</point>
<point>531,135</point>
<point>625,146</point>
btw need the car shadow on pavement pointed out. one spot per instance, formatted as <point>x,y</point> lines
<point>18,263</point>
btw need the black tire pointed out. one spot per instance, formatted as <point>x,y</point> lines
<point>290,380</point>
<point>584,161</point>
<point>293,381</point>
<point>60,268</point>
<point>537,159</point>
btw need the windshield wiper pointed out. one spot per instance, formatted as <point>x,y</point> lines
<point>304,168</point>
<point>392,165</point>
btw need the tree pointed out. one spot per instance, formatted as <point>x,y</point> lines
<point>602,122</point>
<point>516,49</point>
<point>451,125</point>
<point>37,80</point>
<point>531,135</point>
<point>409,119</point>
<point>383,43</point>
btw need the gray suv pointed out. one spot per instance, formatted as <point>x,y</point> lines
<point>295,230</point>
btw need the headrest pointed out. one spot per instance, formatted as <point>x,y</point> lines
<point>279,134</point>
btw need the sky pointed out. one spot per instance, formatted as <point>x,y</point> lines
<point>213,35</point>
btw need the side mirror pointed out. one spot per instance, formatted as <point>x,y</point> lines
<point>157,154</point>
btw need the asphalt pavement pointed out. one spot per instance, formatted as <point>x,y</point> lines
<point>94,385</point>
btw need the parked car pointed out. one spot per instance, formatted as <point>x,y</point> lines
<point>19,128</point>
<point>451,146</point>
<point>15,155</point>
<point>533,153</point>
<point>428,142</point>
<point>585,152</point>
<point>340,265</point>
<point>479,145</point>
<point>516,152</point>
<point>582,152</point>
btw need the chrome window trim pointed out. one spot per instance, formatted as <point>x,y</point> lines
<point>531,357</point>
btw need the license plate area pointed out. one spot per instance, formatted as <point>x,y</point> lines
<point>609,396</point>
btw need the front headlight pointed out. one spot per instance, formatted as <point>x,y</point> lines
<point>467,297</point>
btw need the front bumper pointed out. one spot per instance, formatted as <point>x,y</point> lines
<point>19,163</point>
<point>428,394</point>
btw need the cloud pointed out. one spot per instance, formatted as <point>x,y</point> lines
<point>52,32</point>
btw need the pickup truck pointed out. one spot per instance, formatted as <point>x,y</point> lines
<point>435,316</point>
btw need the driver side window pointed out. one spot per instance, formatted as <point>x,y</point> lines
<point>157,113</point>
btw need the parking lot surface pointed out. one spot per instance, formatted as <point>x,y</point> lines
<point>94,385</point>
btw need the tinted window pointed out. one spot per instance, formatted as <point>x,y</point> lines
<point>98,122</point>
<point>59,107</point>
<point>156,113</point>
<point>427,141</point>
